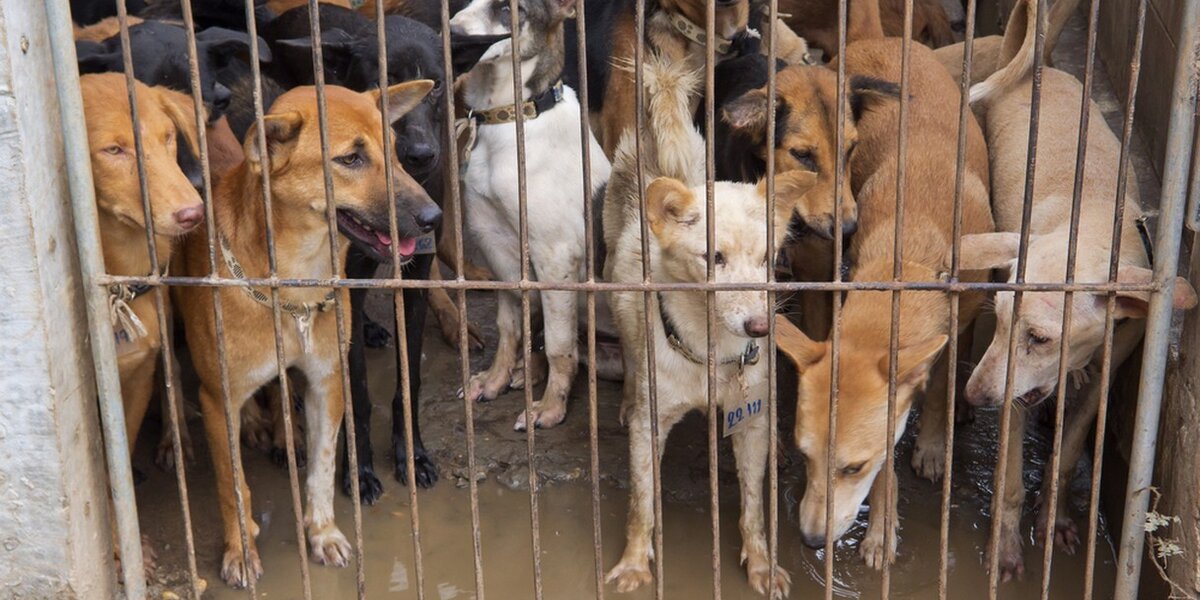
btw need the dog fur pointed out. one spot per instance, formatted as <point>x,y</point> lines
<point>554,172</point>
<point>674,158</point>
<point>924,316</point>
<point>816,21</point>
<point>293,155</point>
<point>1004,100</point>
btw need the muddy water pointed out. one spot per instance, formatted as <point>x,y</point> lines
<point>568,565</point>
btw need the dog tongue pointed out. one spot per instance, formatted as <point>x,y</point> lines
<point>383,238</point>
<point>407,246</point>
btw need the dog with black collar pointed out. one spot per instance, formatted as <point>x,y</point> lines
<point>554,180</point>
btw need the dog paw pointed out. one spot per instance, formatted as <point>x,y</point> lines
<point>375,335</point>
<point>877,548</point>
<point>758,570</point>
<point>1011,561</point>
<point>279,457</point>
<point>630,574</point>
<point>425,472</point>
<point>328,546</point>
<point>448,324</point>
<point>485,387</point>
<point>370,489</point>
<point>258,434</point>
<point>545,415</point>
<point>164,455</point>
<point>929,459</point>
<point>236,571</point>
<point>534,375</point>
<point>1066,533</point>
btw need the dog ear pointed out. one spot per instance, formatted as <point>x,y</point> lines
<point>94,57</point>
<point>282,132</point>
<point>402,97</point>
<point>181,110</point>
<point>801,349</point>
<point>748,114</point>
<point>669,202</point>
<point>790,187</point>
<point>223,43</point>
<point>983,251</point>
<point>1136,305</point>
<point>867,90</point>
<point>565,9</point>
<point>339,49</point>
<point>915,361</point>
<point>466,50</point>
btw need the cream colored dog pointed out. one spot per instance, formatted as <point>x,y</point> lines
<point>678,253</point>
<point>1004,101</point>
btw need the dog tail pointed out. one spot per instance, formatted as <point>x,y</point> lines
<point>672,147</point>
<point>1018,62</point>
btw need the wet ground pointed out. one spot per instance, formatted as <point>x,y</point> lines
<point>567,565</point>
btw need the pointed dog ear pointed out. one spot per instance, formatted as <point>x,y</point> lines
<point>915,361</point>
<point>564,9</point>
<point>790,188</point>
<point>466,50</point>
<point>670,204</point>
<point>223,43</point>
<point>402,97</point>
<point>338,48</point>
<point>868,91</point>
<point>282,133</point>
<point>94,57</point>
<point>1136,305</point>
<point>748,114</point>
<point>180,109</point>
<point>803,351</point>
<point>983,251</point>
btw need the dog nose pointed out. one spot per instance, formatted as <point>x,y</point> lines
<point>757,326</point>
<point>428,218</point>
<point>188,218</point>
<point>816,542</point>
<point>222,98</point>
<point>849,227</point>
<point>420,156</point>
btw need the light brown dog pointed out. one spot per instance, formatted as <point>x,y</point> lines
<point>166,120</point>
<point>865,366</point>
<point>1004,100</point>
<point>817,21</point>
<point>103,29</point>
<point>361,199</point>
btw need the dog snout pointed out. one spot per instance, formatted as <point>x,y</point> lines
<point>222,98</point>
<point>814,541</point>
<point>419,157</point>
<point>428,217</point>
<point>758,326</point>
<point>849,227</point>
<point>188,218</point>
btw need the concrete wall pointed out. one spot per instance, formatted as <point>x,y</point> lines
<point>54,514</point>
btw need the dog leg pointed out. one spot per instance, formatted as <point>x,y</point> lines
<point>256,425</point>
<point>324,408</point>
<point>562,350</point>
<point>165,456</point>
<point>634,568</point>
<point>277,405</point>
<point>929,453</point>
<point>491,383</point>
<point>370,488</point>
<point>879,543</point>
<point>137,387</point>
<point>750,451</point>
<point>1012,560</point>
<point>445,311</point>
<point>425,472</point>
<point>237,567</point>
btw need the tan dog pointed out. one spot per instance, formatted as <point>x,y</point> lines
<point>1004,100</point>
<point>817,21</point>
<point>861,446</point>
<point>166,120</point>
<point>356,143</point>
<point>678,253</point>
<point>103,29</point>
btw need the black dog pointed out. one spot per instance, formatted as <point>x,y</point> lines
<point>87,12</point>
<point>350,51</point>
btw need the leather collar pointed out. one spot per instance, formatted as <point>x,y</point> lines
<point>749,356</point>
<point>531,109</point>
<point>697,33</point>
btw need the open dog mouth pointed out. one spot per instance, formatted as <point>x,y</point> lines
<point>1031,398</point>
<point>370,238</point>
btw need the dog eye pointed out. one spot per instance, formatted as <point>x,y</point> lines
<point>1037,340</point>
<point>854,469</point>
<point>853,147</point>
<point>113,150</point>
<point>804,157</point>
<point>351,161</point>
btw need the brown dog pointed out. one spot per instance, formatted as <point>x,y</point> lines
<point>817,21</point>
<point>166,119</point>
<point>865,364</point>
<point>293,156</point>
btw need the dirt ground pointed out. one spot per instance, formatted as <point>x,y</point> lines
<point>568,567</point>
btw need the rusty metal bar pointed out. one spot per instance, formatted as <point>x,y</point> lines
<point>87,234</point>
<point>772,399</point>
<point>964,120</point>
<point>1021,266</point>
<point>714,476</point>
<point>335,266</point>
<point>1158,321</point>
<point>1106,365</point>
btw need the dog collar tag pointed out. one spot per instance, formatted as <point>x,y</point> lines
<point>426,244</point>
<point>749,405</point>
<point>304,329</point>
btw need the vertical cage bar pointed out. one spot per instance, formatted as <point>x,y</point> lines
<point>772,399</point>
<point>714,479</point>
<point>1158,321</point>
<point>91,262</point>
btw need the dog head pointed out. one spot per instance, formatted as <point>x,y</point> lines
<point>731,15</point>
<point>356,161</point>
<point>167,121</point>
<point>677,217</point>
<point>805,135</point>
<point>1039,324</point>
<point>537,20</point>
<point>160,57</point>
<point>860,442</point>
